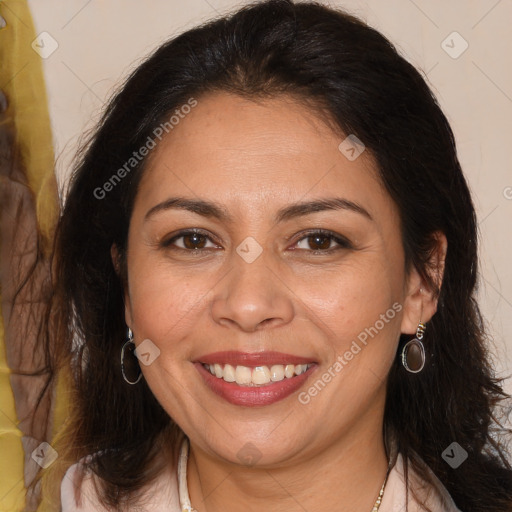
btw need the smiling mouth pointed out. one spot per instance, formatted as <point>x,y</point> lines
<point>258,375</point>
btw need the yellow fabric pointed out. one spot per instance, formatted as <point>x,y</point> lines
<point>21,80</point>
<point>12,490</point>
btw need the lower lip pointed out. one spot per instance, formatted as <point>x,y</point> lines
<point>250,396</point>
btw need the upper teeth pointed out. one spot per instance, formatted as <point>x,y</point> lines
<point>245,376</point>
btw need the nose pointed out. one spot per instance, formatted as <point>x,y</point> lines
<point>252,296</point>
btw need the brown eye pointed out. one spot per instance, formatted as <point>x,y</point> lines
<point>320,241</point>
<point>194,241</point>
<point>189,241</point>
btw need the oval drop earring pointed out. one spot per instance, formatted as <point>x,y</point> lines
<point>129,345</point>
<point>413,352</point>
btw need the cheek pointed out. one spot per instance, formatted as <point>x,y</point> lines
<point>359,302</point>
<point>164,303</point>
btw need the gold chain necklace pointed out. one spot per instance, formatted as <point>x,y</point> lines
<point>183,488</point>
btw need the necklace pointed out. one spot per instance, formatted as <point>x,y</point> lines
<point>183,487</point>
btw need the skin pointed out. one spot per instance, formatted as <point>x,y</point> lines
<point>253,159</point>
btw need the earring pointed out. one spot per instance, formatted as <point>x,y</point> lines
<point>129,341</point>
<point>413,353</point>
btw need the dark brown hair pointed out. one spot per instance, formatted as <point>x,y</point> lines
<point>350,72</point>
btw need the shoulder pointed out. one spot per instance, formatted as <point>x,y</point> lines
<point>78,492</point>
<point>436,497</point>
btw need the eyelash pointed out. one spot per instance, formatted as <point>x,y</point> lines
<point>342,242</point>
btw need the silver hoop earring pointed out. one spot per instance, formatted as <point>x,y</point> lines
<point>128,342</point>
<point>413,353</point>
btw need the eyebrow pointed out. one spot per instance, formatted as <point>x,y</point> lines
<point>217,211</point>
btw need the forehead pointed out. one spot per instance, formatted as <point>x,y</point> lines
<point>248,153</point>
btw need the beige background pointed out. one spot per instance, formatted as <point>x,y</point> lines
<point>99,42</point>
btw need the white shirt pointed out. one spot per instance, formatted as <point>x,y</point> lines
<point>163,496</point>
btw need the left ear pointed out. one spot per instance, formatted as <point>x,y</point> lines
<point>420,301</point>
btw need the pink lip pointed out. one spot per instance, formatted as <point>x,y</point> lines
<point>253,396</point>
<point>254,359</point>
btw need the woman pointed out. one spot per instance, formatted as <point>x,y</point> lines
<point>273,215</point>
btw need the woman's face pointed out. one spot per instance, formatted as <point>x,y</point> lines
<point>258,278</point>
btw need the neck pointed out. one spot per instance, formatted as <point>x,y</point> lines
<point>346,476</point>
